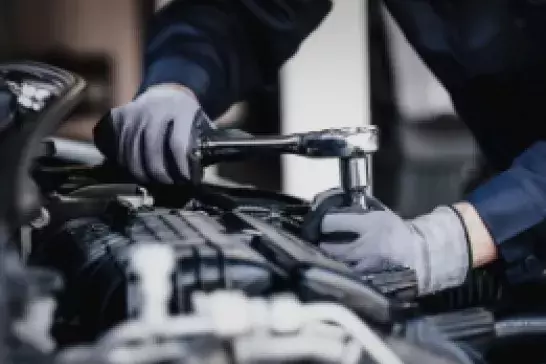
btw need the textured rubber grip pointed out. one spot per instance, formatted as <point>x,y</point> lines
<point>474,325</point>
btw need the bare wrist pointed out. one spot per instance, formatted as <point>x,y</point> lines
<point>483,247</point>
<point>174,86</point>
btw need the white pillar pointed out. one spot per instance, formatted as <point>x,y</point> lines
<point>326,85</point>
<point>419,94</point>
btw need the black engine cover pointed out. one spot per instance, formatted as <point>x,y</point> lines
<point>92,255</point>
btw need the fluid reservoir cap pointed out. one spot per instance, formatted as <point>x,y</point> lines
<point>154,264</point>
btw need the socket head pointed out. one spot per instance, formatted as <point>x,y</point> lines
<point>355,142</point>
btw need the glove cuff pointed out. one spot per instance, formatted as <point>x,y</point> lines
<point>446,260</point>
<point>467,239</point>
<point>178,96</point>
<point>177,70</point>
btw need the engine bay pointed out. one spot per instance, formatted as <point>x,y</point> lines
<point>123,272</point>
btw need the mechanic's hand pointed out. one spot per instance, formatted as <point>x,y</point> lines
<point>434,245</point>
<point>153,135</point>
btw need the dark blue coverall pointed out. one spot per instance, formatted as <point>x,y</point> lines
<point>489,54</point>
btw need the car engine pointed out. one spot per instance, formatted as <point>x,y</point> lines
<point>97,268</point>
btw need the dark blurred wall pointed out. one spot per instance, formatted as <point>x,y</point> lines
<point>427,154</point>
<point>112,28</point>
<point>261,118</point>
<point>6,37</point>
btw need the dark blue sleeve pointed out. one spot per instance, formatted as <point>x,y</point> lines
<point>511,204</point>
<point>224,49</point>
<point>476,51</point>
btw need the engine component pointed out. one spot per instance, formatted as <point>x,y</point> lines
<point>92,256</point>
<point>8,102</point>
<point>521,327</point>
<point>34,99</point>
<point>73,151</point>
<point>27,308</point>
<point>474,326</point>
<point>45,95</point>
<point>352,146</point>
<point>280,329</point>
<point>484,288</point>
<point>229,327</point>
<point>92,230</point>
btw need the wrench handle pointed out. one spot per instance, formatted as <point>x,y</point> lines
<point>228,145</point>
<point>245,146</point>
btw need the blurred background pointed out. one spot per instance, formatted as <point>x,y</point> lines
<point>355,70</point>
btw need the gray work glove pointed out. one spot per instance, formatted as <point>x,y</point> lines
<point>152,136</point>
<point>434,245</point>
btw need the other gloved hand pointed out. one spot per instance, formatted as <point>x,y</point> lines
<point>435,245</point>
<point>153,135</point>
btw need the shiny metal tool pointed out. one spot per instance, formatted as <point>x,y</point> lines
<point>352,146</point>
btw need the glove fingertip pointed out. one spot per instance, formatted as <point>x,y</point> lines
<point>152,158</point>
<point>178,172</point>
<point>331,222</point>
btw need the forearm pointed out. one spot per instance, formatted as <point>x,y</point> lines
<point>482,246</point>
<point>509,205</point>
<point>445,244</point>
<point>177,86</point>
<point>498,217</point>
<point>187,47</point>
<point>222,50</point>
<point>452,241</point>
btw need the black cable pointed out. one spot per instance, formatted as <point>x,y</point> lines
<point>4,316</point>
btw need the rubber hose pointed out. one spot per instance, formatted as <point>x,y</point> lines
<point>521,327</point>
<point>481,289</point>
<point>89,256</point>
